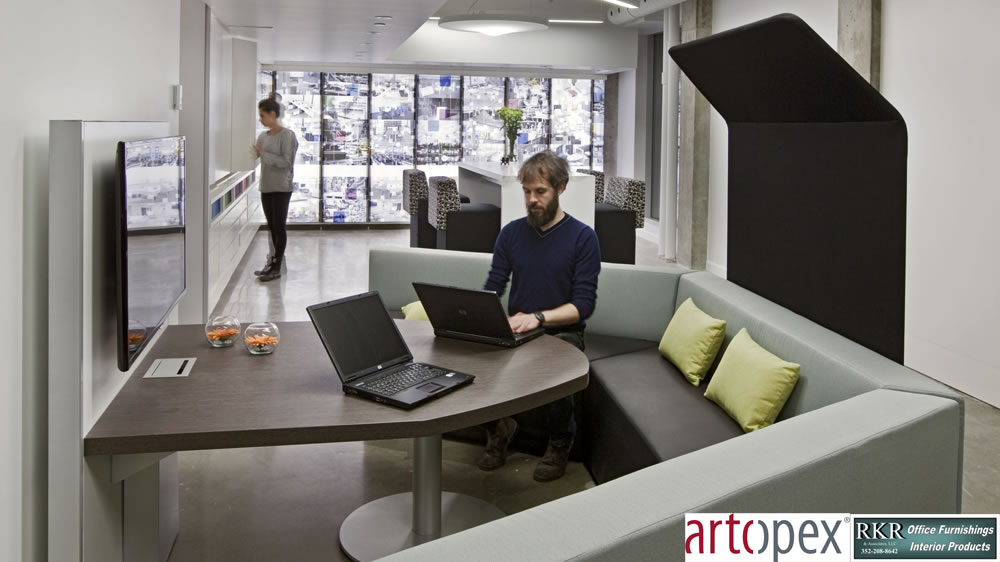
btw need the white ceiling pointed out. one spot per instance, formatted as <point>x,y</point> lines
<point>335,31</point>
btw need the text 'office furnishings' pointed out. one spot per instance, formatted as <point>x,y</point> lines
<point>659,449</point>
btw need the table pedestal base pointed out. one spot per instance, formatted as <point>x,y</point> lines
<point>385,526</point>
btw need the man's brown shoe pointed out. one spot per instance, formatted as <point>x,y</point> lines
<point>553,464</point>
<point>497,440</point>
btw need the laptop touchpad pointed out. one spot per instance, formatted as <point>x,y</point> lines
<point>430,388</point>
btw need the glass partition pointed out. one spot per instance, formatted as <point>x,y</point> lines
<point>530,95</point>
<point>482,135</point>
<point>439,124</point>
<point>571,121</point>
<point>300,99</point>
<point>392,144</point>
<point>597,158</point>
<point>345,147</point>
<point>357,132</point>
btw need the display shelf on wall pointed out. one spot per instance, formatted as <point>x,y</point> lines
<point>234,217</point>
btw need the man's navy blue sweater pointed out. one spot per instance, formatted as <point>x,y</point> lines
<point>549,268</point>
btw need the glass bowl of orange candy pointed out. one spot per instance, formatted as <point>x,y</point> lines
<point>222,331</point>
<point>261,338</point>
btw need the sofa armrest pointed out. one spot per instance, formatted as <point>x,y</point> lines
<point>880,452</point>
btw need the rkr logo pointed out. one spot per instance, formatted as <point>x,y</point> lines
<point>766,536</point>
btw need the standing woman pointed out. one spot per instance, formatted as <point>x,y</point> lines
<point>276,148</point>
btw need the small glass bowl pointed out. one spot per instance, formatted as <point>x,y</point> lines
<point>136,335</point>
<point>222,331</point>
<point>261,338</point>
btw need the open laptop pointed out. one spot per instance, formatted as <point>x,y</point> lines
<point>470,314</point>
<point>371,357</point>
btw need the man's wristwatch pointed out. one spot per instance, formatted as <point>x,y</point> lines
<point>541,319</point>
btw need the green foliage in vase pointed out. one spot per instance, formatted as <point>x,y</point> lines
<point>511,123</point>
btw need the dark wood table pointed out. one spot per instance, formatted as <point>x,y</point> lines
<point>233,399</point>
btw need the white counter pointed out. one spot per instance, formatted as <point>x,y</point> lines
<point>489,182</point>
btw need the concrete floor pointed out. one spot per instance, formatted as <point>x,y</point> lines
<point>287,503</point>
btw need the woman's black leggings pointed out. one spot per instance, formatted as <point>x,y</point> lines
<point>276,212</point>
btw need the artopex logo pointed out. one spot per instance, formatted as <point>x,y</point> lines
<point>727,537</point>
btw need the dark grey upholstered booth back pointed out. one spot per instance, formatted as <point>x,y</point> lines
<point>817,177</point>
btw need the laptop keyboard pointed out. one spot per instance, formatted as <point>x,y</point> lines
<point>404,378</point>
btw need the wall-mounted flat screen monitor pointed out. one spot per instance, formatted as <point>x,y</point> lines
<point>150,238</point>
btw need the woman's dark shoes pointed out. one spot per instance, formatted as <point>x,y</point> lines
<point>265,269</point>
<point>273,270</point>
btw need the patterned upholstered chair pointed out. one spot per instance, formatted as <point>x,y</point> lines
<point>616,218</point>
<point>470,227</point>
<point>422,235</point>
<point>598,183</point>
<point>629,194</point>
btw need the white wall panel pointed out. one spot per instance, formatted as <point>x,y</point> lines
<point>101,59</point>
<point>941,69</point>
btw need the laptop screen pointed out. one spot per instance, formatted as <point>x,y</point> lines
<point>358,334</point>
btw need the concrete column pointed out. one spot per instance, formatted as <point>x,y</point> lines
<point>695,120</point>
<point>668,143</point>
<point>859,37</point>
<point>611,125</point>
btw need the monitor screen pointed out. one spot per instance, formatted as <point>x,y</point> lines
<point>358,334</point>
<point>150,236</point>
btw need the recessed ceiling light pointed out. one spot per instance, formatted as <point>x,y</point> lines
<point>383,17</point>
<point>492,24</point>
<point>374,32</point>
<point>575,21</point>
<point>622,4</point>
<point>379,24</point>
<point>434,18</point>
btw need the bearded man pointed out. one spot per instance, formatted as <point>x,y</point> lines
<point>555,261</point>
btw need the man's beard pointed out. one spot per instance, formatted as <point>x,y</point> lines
<point>546,215</point>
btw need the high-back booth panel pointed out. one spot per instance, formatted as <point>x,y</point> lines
<point>817,177</point>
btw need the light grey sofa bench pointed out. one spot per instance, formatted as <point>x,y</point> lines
<point>859,433</point>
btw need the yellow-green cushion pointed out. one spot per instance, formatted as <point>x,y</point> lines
<point>415,311</point>
<point>692,340</point>
<point>751,383</point>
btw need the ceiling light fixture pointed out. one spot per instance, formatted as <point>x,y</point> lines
<point>434,18</point>
<point>379,24</point>
<point>383,17</point>
<point>493,24</point>
<point>575,21</point>
<point>622,4</point>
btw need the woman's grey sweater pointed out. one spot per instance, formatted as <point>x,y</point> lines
<point>277,159</point>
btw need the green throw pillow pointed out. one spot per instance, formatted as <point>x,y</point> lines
<point>751,384</point>
<point>415,311</point>
<point>692,341</point>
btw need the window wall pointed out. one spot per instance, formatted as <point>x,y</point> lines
<point>572,121</point>
<point>358,132</point>
<point>300,97</point>
<point>530,95</point>
<point>439,124</point>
